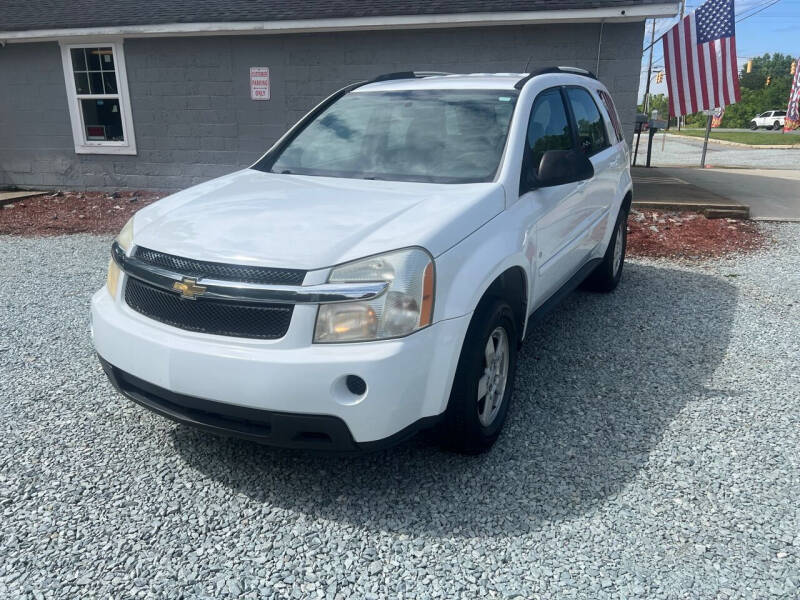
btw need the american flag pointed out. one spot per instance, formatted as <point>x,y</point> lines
<point>700,60</point>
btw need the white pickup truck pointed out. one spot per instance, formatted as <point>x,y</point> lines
<point>375,272</point>
<point>772,119</point>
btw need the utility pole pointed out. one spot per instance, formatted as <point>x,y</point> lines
<point>683,9</point>
<point>649,70</point>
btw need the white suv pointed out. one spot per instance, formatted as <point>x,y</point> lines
<point>772,119</point>
<point>375,272</point>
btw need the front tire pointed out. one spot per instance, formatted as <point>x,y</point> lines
<point>607,275</point>
<point>484,380</point>
<point>753,125</point>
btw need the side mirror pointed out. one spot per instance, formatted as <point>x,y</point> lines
<point>563,166</point>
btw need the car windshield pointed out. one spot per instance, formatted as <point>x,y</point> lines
<point>439,136</point>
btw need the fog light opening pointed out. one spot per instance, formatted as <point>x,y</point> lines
<point>356,385</point>
<point>348,390</point>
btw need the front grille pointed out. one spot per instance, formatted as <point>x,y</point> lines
<point>218,317</point>
<point>189,267</point>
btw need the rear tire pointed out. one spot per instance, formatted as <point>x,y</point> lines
<point>776,125</point>
<point>608,273</point>
<point>484,379</point>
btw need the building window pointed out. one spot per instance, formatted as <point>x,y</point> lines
<point>97,91</point>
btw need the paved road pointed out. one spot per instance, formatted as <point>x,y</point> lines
<point>664,188</point>
<point>770,194</point>
<point>734,130</point>
<point>674,151</point>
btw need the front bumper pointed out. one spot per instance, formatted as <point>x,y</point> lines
<point>271,390</point>
<point>286,430</point>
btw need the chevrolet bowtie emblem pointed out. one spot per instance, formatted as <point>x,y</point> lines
<point>188,288</point>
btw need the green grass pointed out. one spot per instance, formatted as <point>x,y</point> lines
<point>755,138</point>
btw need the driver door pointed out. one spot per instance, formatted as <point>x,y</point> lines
<point>556,210</point>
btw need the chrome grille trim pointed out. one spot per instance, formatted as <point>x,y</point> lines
<point>190,267</point>
<point>326,293</point>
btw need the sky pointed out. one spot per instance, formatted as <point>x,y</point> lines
<point>774,29</point>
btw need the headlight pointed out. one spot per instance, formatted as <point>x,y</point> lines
<point>125,241</point>
<point>125,237</point>
<point>405,307</point>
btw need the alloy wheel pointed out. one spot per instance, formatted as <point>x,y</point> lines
<point>493,381</point>
<point>618,246</point>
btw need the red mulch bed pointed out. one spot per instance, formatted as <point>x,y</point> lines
<point>72,212</point>
<point>650,233</point>
<point>689,235</point>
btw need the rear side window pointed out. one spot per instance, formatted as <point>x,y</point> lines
<point>548,128</point>
<point>592,136</point>
<point>780,113</point>
<point>612,112</point>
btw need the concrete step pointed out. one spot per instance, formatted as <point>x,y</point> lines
<point>11,197</point>
<point>712,211</point>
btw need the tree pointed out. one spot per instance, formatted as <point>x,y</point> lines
<point>757,97</point>
<point>658,102</point>
<point>776,66</point>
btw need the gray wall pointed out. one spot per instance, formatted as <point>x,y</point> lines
<point>191,106</point>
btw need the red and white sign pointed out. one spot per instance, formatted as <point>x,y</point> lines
<point>259,83</point>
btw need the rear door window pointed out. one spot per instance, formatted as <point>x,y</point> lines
<point>612,113</point>
<point>592,134</point>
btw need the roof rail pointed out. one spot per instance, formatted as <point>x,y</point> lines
<point>407,75</point>
<point>570,70</point>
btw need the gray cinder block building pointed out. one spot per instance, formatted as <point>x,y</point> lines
<point>150,94</point>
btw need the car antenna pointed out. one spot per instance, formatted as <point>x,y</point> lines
<point>527,64</point>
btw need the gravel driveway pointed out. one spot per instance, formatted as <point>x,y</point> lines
<point>652,453</point>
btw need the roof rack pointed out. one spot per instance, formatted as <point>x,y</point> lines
<point>570,70</point>
<point>407,75</point>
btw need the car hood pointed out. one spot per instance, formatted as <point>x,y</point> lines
<point>294,221</point>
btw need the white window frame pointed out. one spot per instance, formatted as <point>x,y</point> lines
<point>82,145</point>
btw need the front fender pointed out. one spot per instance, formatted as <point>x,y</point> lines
<point>466,271</point>
<point>624,187</point>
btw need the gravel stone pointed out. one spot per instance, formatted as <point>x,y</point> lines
<point>651,452</point>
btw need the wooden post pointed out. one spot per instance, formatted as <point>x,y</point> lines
<point>638,137</point>
<point>705,143</point>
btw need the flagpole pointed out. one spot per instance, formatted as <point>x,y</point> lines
<point>683,9</point>
<point>705,143</point>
